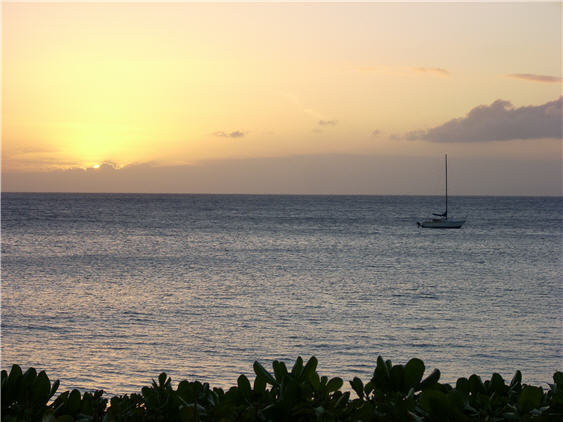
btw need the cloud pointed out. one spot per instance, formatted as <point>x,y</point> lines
<point>498,122</point>
<point>327,122</point>
<point>295,100</point>
<point>406,70</point>
<point>106,166</point>
<point>34,159</point>
<point>536,78</point>
<point>376,133</point>
<point>303,174</point>
<point>437,71</point>
<point>234,134</point>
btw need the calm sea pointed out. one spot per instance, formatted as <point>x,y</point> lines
<point>106,291</point>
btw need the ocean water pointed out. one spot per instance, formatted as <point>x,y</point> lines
<point>106,291</point>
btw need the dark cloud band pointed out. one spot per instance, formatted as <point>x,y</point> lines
<point>499,121</point>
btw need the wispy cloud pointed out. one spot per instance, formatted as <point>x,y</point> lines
<point>371,68</point>
<point>376,133</point>
<point>406,70</point>
<point>327,122</point>
<point>234,134</point>
<point>498,122</point>
<point>296,101</point>
<point>437,71</point>
<point>27,158</point>
<point>313,113</point>
<point>536,78</point>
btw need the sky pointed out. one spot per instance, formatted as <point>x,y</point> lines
<point>328,98</point>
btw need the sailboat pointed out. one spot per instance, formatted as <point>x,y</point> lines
<point>441,221</point>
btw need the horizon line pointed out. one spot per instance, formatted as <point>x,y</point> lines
<point>274,194</point>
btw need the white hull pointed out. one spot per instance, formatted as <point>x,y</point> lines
<point>442,221</point>
<point>441,224</point>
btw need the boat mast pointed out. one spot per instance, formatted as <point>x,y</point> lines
<point>446,186</point>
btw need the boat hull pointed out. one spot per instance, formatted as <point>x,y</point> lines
<point>441,224</point>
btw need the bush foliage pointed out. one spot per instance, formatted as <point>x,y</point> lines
<point>394,393</point>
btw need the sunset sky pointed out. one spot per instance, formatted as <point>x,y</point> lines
<point>282,98</point>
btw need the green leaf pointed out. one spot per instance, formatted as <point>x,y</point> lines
<point>28,379</point>
<point>342,400</point>
<point>41,388</point>
<point>10,385</point>
<point>244,386</point>
<point>334,384</point>
<point>497,384</point>
<point>48,416</point>
<point>259,384</point>
<point>280,370</point>
<point>310,368</point>
<point>462,385</point>
<point>319,412</point>
<point>396,375</point>
<point>60,401</point>
<point>358,387</point>
<point>456,401</point>
<point>381,376</point>
<point>15,373</point>
<point>430,380</point>
<point>558,379</point>
<point>73,402</point>
<point>476,384</point>
<point>530,398</point>
<point>30,373</point>
<point>260,371</point>
<point>162,381</point>
<point>516,382</point>
<point>297,369</point>
<point>290,393</point>
<point>414,369</point>
<point>435,403</point>
<point>185,390</point>
<point>54,388</point>
<point>315,381</point>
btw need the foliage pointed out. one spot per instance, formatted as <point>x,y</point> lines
<point>394,393</point>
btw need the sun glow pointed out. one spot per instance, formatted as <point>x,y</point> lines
<point>109,85</point>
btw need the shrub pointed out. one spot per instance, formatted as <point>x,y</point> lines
<point>394,393</point>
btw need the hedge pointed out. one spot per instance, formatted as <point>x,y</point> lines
<point>394,393</point>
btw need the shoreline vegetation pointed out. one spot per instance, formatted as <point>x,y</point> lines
<point>394,393</point>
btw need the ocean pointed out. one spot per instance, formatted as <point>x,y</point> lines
<point>105,291</point>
